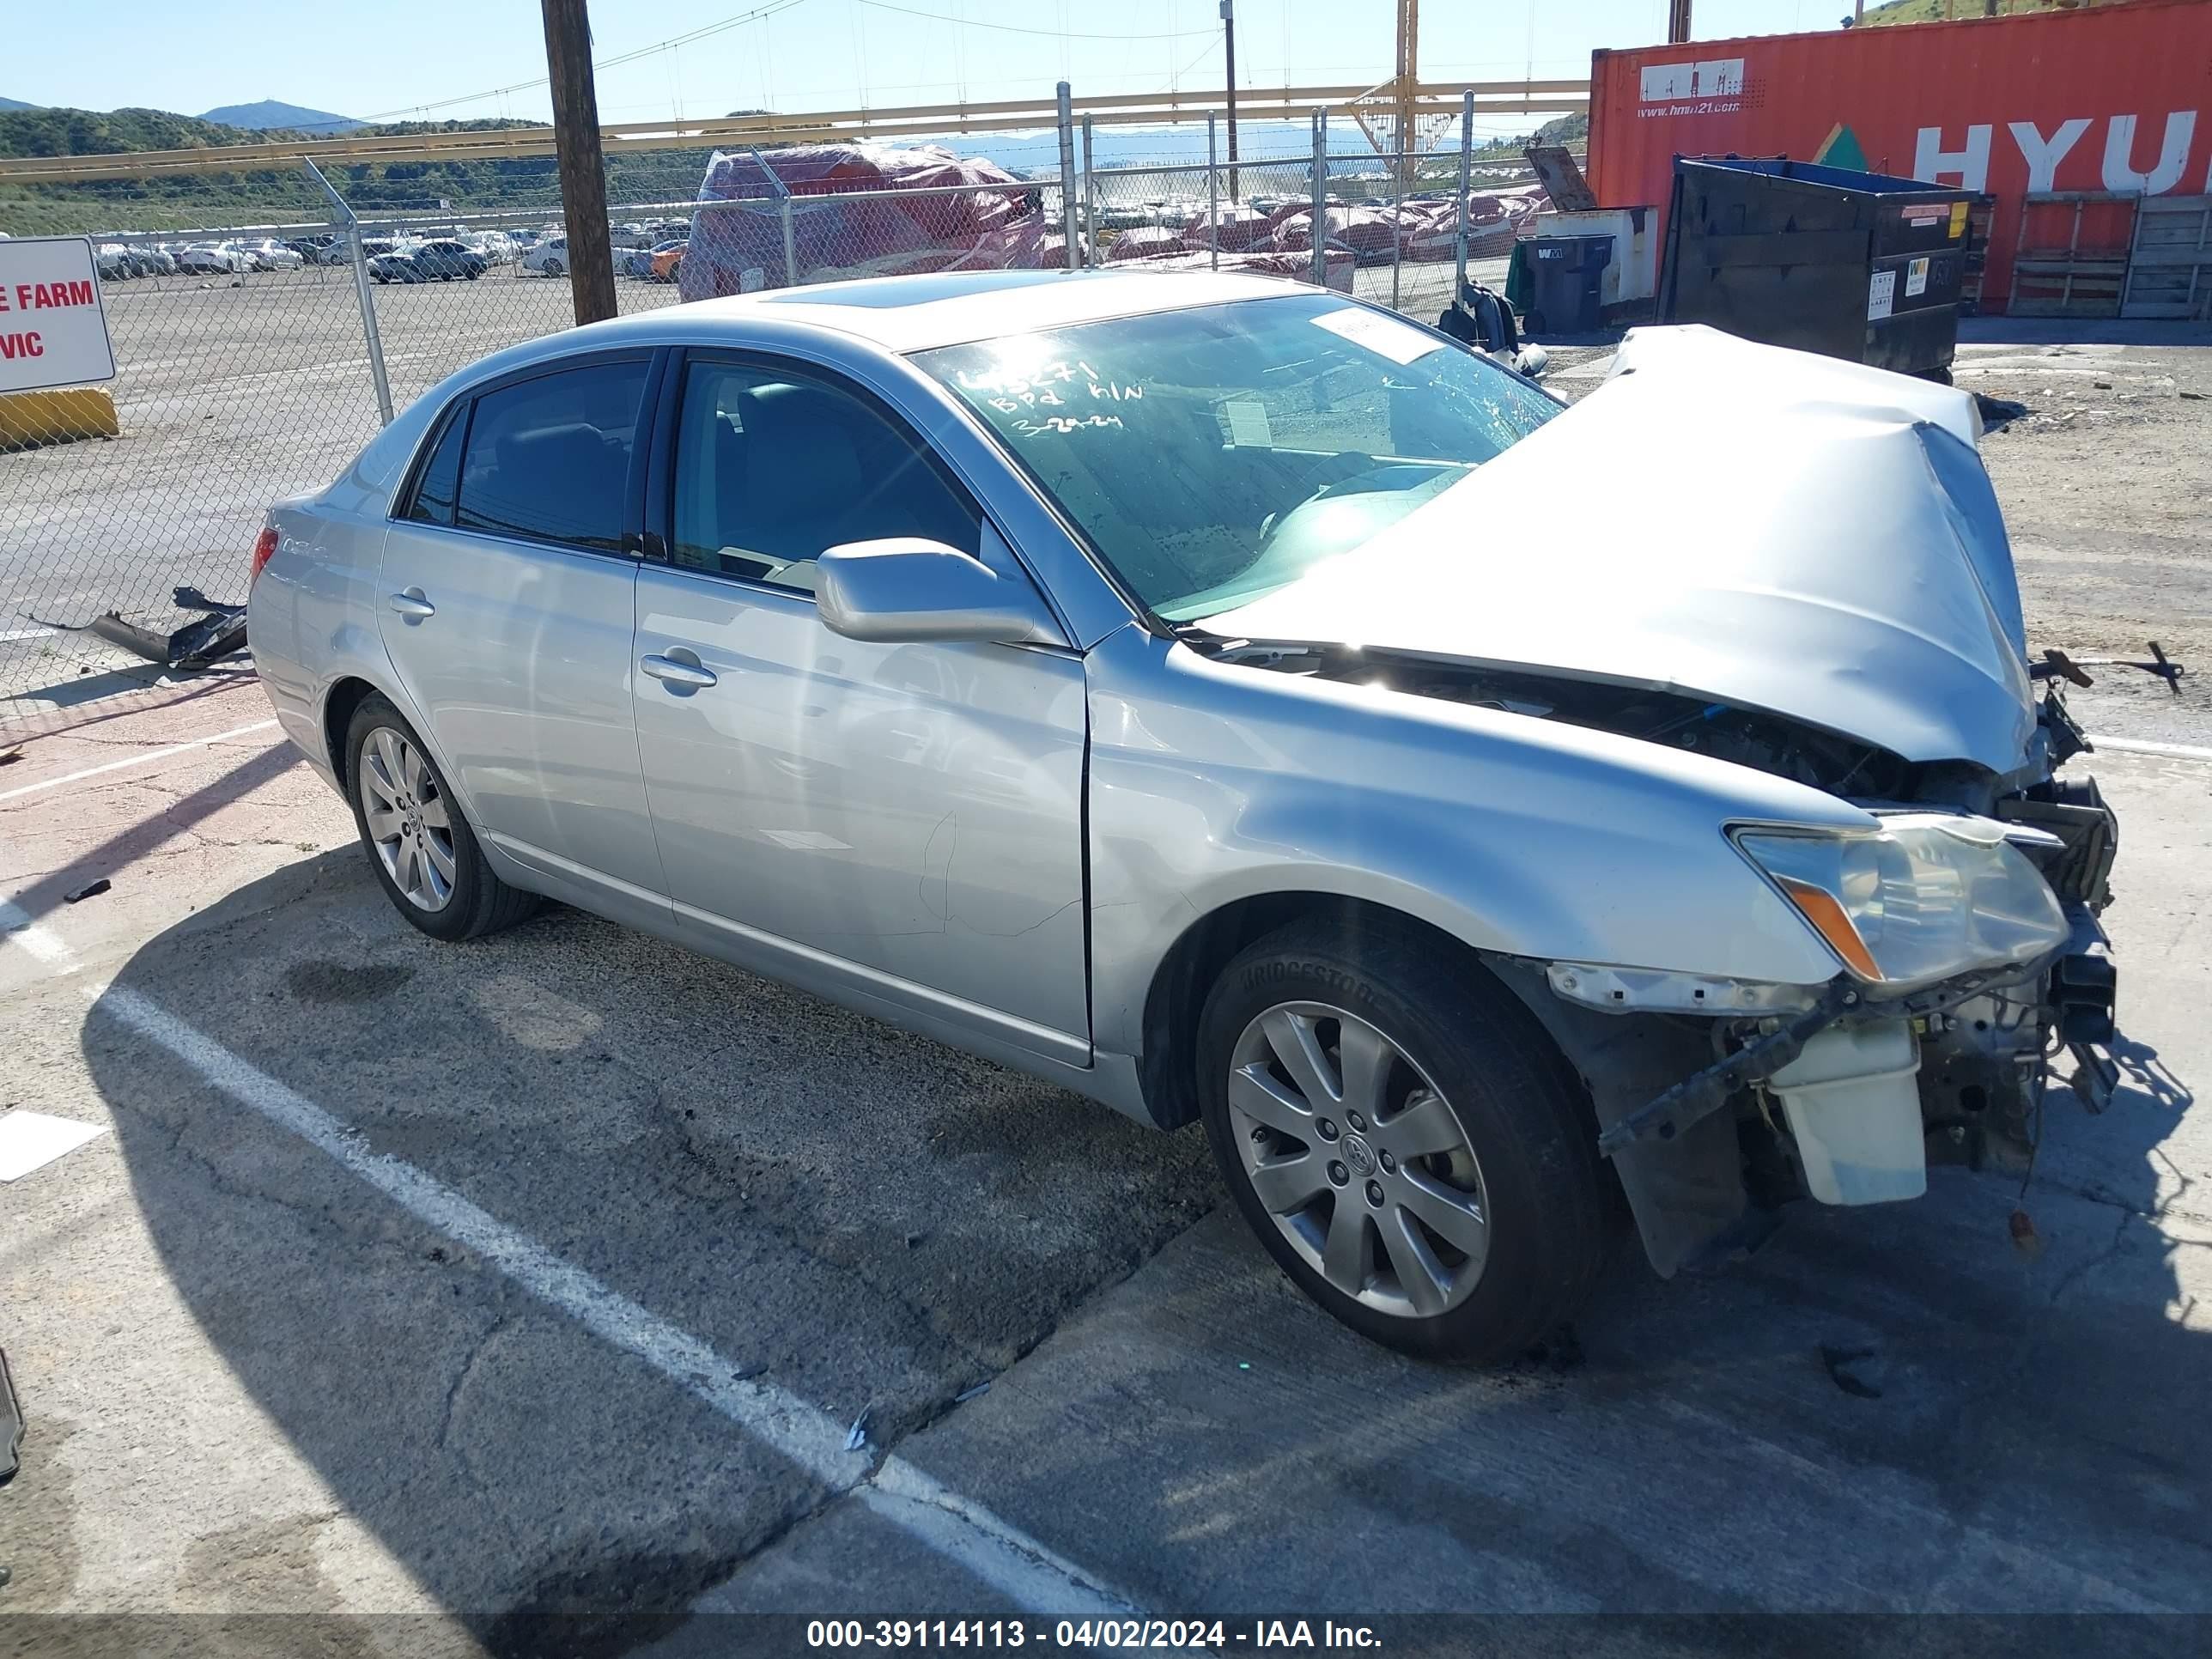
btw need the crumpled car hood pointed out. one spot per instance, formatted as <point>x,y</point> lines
<point>1761,527</point>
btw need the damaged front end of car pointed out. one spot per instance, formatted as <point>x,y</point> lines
<point>1974,970</point>
<point>1797,568</point>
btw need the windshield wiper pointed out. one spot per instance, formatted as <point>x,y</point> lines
<point>1226,647</point>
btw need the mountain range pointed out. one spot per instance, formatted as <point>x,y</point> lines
<point>272,114</point>
<point>269,115</point>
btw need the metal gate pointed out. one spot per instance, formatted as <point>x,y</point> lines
<point>2170,260</point>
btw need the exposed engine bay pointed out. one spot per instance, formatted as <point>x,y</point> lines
<point>1717,1119</point>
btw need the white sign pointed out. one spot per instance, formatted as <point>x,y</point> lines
<point>1715,77</point>
<point>1402,343</point>
<point>1916,277</point>
<point>1881,295</point>
<point>53,329</point>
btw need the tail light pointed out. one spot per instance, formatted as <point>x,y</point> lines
<point>264,548</point>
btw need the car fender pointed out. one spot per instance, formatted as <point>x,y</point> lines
<point>1211,784</point>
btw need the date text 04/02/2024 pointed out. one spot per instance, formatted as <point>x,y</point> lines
<point>1213,1634</point>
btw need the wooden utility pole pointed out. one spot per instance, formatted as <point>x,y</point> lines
<point>583,173</point>
<point>1229,66</point>
<point>1678,21</point>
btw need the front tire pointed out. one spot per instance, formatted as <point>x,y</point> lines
<point>425,854</point>
<point>1404,1139</point>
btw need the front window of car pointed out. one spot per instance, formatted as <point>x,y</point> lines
<point>1215,454</point>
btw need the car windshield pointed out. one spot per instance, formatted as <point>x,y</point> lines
<point>1213,455</point>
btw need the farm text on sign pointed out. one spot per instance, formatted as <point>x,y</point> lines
<point>53,328</point>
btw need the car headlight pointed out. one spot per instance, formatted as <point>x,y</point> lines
<point>1923,898</point>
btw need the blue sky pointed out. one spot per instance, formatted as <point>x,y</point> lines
<point>817,54</point>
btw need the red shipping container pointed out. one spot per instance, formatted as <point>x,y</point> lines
<point>2113,97</point>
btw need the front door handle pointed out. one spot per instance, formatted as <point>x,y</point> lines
<point>412,605</point>
<point>676,672</point>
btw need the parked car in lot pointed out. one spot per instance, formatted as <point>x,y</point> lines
<point>667,260</point>
<point>1179,688</point>
<point>648,262</point>
<point>549,258</point>
<point>395,266</point>
<point>269,254</point>
<point>212,259</point>
<point>445,260</point>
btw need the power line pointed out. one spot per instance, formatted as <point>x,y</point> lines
<point>670,44</point>
<point>1016,28</point>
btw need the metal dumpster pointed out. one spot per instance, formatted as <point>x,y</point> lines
<point>1863,266</point>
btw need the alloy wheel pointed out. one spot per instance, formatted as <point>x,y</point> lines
<point>1359,1158</point>
<point>408,823</point>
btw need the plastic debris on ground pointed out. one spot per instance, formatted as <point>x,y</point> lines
<point>856,1438</point>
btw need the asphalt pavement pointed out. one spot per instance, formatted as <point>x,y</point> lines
<point>567,1285</point>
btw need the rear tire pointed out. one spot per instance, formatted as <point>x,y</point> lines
<point>1473,1251</point>
<point>423,850</point>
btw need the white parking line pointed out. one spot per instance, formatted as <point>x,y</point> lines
<point>145,759</point>
<point>999,1553</point>
<point>2165,751</point>
<point>38,940</point>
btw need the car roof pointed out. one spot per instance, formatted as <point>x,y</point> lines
<point>915,314</point>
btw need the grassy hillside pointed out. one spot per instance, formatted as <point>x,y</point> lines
<point>91,132</point>
<point>1569,130</point>
<point>1934,11</point>
<point>190,201</point>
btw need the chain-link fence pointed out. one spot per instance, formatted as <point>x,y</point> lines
<point>1391,226</point>
<point>255,359</point>
<point>242,375</point>
<point>823,235</point>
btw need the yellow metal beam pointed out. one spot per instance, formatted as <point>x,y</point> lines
<point>1412,98</point>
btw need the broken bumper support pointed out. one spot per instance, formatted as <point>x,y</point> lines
<point>1698,1096</point>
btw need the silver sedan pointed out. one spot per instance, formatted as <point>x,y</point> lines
<point>1244,707</point>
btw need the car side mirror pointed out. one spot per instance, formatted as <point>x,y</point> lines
<point>905,589</point>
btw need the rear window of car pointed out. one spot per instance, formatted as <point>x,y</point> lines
<point>545,459</point>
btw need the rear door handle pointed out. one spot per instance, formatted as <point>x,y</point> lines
<point>675,672</point>
<point>412,605</point>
